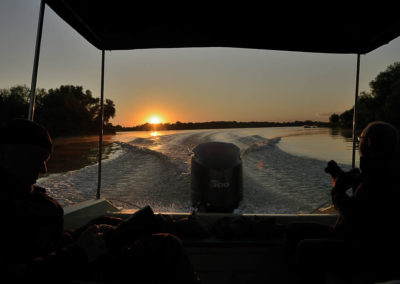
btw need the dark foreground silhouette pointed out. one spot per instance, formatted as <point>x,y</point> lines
<point>34,247</point>
<point>364,243</point>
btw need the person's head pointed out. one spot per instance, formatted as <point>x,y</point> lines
<point>379,139</point>
<point>25,148</point>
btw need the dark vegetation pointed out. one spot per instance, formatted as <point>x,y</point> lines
<point>72,111</point>
<point>382,102</point>
<point>216,125</point>
<point>64,111</point>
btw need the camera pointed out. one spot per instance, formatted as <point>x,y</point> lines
<point>351,177</point>
<point>333,169</point>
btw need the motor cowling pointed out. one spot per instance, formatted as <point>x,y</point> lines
<point>216,177</point>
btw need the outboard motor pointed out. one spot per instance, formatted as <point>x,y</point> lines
<point>216,177</point>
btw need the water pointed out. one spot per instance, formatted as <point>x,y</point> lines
<point>283,169</point>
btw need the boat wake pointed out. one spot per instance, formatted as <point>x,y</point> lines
<point>155,171</point>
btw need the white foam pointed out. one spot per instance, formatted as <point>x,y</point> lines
<point>155,171</point>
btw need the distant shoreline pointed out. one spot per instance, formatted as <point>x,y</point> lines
<point>217,125</point>
<point>198,126</point>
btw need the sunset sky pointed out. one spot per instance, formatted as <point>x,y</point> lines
<point>190,84</point>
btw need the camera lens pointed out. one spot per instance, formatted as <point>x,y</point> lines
<point>333,169</point>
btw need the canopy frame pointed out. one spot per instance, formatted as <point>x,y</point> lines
<point>101,126</point>
<point>355,111</point>
<point>32,97</point>
<point>381,38</point>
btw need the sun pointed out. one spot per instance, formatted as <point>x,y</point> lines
<point>155,119</point>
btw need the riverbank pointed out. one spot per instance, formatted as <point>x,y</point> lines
<point>219,125</point>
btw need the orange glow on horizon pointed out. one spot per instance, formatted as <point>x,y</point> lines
<point>152,114</point>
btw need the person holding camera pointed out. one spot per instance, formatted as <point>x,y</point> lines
<point>364,243</point>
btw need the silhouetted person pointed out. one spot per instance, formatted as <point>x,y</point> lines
<point>364,244</point>
<point>34,246</point>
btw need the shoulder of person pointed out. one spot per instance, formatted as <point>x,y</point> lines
<point>47,202</point>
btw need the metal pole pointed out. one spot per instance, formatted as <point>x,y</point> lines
<point>32,98</point>
<point>101,125</point>
<point>355,112</point>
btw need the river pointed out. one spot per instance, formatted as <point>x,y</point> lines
<point>283,167</point>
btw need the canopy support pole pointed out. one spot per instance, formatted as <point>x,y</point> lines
<point>32,99</point>
<point>101,125</point>
<point>353,163</point>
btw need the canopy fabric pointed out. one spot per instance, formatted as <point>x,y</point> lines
<point>328,28</point>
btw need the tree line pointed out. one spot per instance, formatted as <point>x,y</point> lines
<point>70,110</point>
<point>382,102</point>
<point>65,111</point>
<point>216,125</point>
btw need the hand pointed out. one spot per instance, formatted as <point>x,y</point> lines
<point>92,242</point>
<point>345,180</point>
<point>337,181</point>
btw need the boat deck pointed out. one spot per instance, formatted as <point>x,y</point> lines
<point>229,255</point>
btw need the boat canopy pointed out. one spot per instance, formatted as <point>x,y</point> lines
<point>330,27</point>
